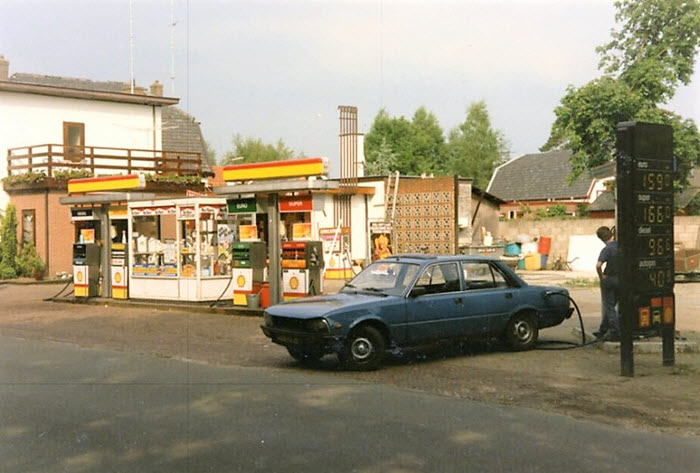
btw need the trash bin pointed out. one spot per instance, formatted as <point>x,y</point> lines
<point>253,301</point>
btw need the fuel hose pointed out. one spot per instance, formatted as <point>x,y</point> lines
<point>566,344</point>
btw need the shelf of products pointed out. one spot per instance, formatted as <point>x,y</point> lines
<point>184,239</point>
<point>153,246</point>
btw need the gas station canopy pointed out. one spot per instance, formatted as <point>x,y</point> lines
<point>278,186</point>
<point>107,198</point>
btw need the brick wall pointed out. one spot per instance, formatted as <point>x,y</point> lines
<point>57,254</point>
<point>425,218</point>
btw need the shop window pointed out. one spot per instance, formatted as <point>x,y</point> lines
<point>73,141</point>
<point>29,226</point>
<point>153,246</point>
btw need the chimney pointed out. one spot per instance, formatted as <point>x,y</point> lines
<point>157,89</point>
<point>4,68</point>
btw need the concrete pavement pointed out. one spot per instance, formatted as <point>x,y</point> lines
<point>70,409</point>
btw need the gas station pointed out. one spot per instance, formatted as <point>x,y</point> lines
<point>267,235</point>
<point>294,265</point>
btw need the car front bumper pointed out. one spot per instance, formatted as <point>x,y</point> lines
<point>296,337</point>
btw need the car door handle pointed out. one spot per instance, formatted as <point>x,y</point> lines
<point>458,300</point>
<point>509,295</point>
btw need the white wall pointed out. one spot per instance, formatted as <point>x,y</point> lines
<point>323,212</point>
<point>30,119</point>
<point>358,230</point>
<point>598,188</point>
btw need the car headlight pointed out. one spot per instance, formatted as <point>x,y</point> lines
<point>317,325</point>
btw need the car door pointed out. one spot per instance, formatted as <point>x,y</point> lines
<point>435,303</point>
<point>488,299</point>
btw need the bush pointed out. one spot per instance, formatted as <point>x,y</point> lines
<point>582,210</point>
<point>8,238</point>
<point>29,263</point>
<point>7,272</point>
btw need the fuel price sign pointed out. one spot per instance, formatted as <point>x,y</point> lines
<point>645,171</point>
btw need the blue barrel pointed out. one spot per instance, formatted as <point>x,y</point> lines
<point>512,249</point>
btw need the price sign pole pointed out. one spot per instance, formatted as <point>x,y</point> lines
<point>645,169</point>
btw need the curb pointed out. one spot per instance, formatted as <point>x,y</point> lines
<point>165,306</point>
<point>644,346</point>
<point>33,282</point>
<point>651,347</point>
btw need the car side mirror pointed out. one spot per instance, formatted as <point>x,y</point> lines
<point>418,291</point>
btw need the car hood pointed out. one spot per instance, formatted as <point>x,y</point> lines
<point>322,306</point>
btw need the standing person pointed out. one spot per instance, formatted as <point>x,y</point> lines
<point>607,268</point>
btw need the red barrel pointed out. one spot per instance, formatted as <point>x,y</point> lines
<point>544,244</point>
<point>265,295</point>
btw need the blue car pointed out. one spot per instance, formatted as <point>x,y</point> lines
<point>414,300</point>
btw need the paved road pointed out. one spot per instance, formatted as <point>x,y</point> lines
<point>77,410</point>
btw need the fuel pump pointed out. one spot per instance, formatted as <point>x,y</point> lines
<point>249,262</point>
<point>118,270</point>
<point>302,262</point>
<point>86,269</point>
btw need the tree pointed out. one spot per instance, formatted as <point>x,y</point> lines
<point>587,119</point>
<point>418,146</point>
<point>428,147</point>
<point>8,243</point>
<point>392,134</point>
<point>655,47</point>
<point>382,161</point>
<point>211,152</point>
<point>649,56</point>
<point>474,148</point>
<point>253,150</point>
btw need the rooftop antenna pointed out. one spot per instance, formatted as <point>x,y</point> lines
<point>131,42</point>
<point>172,46</point>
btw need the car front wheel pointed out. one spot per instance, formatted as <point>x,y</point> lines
<point>364,349</point>
<point>521,333</point>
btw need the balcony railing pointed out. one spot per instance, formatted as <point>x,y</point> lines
<point>49,158</point>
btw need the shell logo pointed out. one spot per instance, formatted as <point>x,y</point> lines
<point>117,277</point>
<point>293,282</point>
<point>331,263</point>
<point>79,276</point>
<point>240,281</point>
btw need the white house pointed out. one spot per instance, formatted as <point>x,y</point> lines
<point>71,114</point>
<point>54,127</point>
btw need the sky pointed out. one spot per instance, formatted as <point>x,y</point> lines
<point>280,69</point>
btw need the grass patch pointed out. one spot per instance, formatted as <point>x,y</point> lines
<point>582,282</point>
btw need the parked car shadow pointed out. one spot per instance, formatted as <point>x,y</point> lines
<point>396,357</point>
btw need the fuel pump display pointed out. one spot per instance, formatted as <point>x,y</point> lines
<point>645,167</point>
<point>302,262</point>
<point>86,269</point>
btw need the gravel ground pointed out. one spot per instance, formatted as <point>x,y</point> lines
<point>583,383</point>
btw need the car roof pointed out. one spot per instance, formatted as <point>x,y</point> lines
<point>425,258</point>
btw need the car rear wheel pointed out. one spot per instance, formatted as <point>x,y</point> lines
<point>521,332</point>
<point>305,354</point>
<point>364,349</point>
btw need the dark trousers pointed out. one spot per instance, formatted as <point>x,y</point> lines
<point>610,321</point>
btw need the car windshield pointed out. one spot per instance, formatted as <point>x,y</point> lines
<point>389,278</point>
